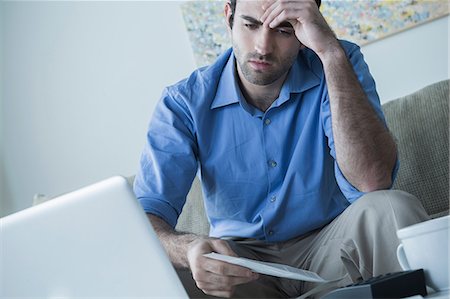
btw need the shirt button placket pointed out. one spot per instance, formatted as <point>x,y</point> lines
<point>272,164</point>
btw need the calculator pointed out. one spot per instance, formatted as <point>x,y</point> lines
<point>391,285</point>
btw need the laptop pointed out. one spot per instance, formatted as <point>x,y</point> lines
<point>94,242</point>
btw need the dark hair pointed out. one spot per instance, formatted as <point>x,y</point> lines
<point>233,9</point>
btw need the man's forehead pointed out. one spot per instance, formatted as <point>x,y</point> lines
<point>249,8</point>
<point>260,2</point>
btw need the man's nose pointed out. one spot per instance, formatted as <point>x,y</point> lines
<point>264,43</point>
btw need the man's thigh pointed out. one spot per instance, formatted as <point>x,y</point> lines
<point>361,242</point>
<point>358,244</point>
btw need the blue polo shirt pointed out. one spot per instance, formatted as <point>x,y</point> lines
<point>265,175</point>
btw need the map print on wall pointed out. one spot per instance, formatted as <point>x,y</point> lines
<point>359,21</point>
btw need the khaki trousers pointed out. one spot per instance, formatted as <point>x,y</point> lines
<point>358,244</point>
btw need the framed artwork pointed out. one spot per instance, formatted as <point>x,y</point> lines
<point>359,21</point>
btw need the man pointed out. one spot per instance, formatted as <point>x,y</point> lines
<point>287,132</point>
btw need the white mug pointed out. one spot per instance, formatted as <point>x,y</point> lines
<point>401,257</point>
<point>425,245</point>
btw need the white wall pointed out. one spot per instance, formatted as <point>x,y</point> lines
<point>1,113</point>
<point>81,80</point>
<point>410,60</point>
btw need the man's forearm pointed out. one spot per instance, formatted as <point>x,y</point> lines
<point>176,244</point>
<point>365,150</point>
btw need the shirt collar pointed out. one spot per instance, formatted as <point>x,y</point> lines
<point>228,91</point>
<point>299,79</point>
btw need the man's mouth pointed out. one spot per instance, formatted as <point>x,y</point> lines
<point>259,65</point>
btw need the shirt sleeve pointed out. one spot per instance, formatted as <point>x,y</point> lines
<point>168,163</point>
<point>368,84</point>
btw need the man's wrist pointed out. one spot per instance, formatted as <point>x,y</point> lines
<point>176,244</point>
<point>185,242</point>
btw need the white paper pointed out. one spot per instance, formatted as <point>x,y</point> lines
<point>273,269</point>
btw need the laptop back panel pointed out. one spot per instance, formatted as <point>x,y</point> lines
<point>94,242</point>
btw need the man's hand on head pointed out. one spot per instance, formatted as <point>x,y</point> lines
<point>215,277</point>
<point>310,27</point>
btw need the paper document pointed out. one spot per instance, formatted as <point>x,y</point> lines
<point>273,269</point>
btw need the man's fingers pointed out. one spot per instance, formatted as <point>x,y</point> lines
<point>221,294</point>
<point>227,269</point>
<point>222,247</point>
<point>270,11</point>
<point>198,261</point>
<point>208,280</point>
<point>280,11</point>
<point>216,277</point>
<point>266,4</point>
<point>287,15</point>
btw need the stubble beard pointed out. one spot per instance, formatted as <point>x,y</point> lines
<point>260,77</point>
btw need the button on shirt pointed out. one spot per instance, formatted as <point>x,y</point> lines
<point>265,175</point>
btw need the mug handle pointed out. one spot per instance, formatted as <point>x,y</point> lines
<point>401,257</point>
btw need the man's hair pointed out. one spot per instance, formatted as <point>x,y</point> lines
<point>233,9</point>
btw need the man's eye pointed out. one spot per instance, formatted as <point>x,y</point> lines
<point>250,26</point>
<point>285,31</point>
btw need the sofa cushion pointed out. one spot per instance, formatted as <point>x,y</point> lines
<point>193,217</point>
<point>420,124</point>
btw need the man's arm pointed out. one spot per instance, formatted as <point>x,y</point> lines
<point>365,151</point>
<point>174,243</point>
<point>186,251</point>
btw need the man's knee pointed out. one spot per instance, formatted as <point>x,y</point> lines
<point>405,208</point>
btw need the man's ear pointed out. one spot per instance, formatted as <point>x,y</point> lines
<point>228,15</point>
